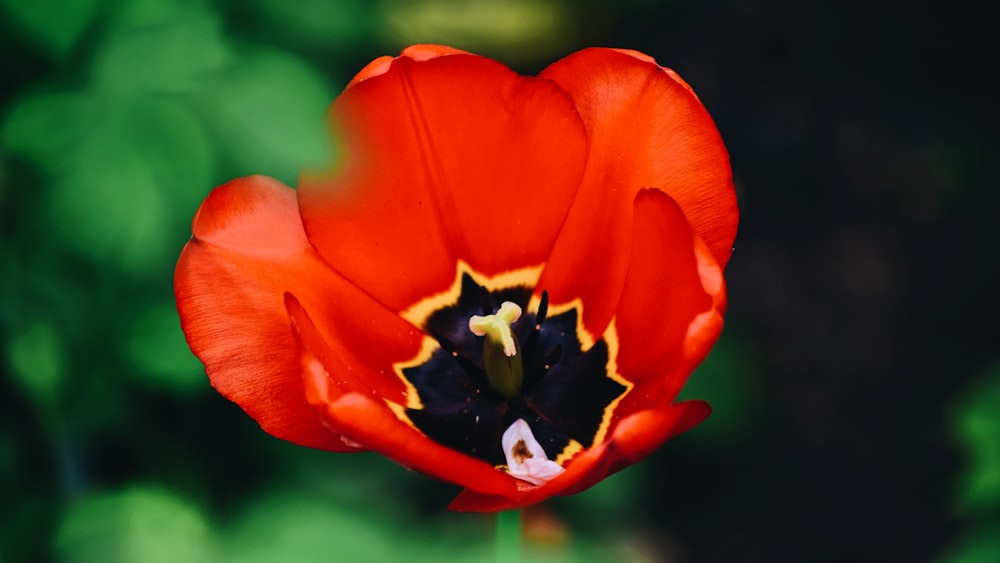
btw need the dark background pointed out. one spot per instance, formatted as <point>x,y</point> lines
<point>856,388</point>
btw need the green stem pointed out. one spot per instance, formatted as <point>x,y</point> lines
<point>508,537</point>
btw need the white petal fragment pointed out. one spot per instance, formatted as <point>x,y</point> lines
<point>526,460</point>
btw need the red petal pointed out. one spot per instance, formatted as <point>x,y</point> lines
<point>449,158</point>
<point>366,419</point>
<point>669,315</point>
<point>672,288</point>
<point>647,130</point>
<point>373,424</point>
<point>249,249</point>
<point>426,52</point>
<point>415,52</point>
<point>633,439</point>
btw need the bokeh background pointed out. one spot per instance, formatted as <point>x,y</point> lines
<point>856,387</point>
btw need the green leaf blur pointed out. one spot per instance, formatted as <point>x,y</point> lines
<point>976,425</point>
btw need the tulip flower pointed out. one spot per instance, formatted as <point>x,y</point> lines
<point>503,282</point>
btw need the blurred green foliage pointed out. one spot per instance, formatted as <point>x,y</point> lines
<point>141,523</point>
<point>52,26</point>
<point>727,379</point>
<point>113,446</point>
<point>976,425</point>
<point>519,29</point>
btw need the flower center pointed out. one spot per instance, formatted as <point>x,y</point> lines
<point>522,389</point>
<point>503,365</point>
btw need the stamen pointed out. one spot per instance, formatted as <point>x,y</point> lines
<point>468,365</point>
<point>526,459</point>
<point>543,309</point>
<point>532,341</point>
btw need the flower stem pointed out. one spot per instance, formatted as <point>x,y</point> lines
<point>508,536</point>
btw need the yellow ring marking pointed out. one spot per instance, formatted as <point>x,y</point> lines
<point>418,313</point>
<point>611,338</point>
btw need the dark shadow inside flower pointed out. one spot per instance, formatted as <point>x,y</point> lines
<point>564,397</point>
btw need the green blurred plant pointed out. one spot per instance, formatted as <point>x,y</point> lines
<point>514,30</point>
<point>106,156</point>
<point>169,106</point>
<point>976,425</point>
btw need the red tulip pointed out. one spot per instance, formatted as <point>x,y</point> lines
<point>503,283</point>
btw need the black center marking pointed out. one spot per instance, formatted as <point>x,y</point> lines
<point>565,392</point>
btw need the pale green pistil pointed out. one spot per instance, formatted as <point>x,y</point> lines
<point>501,360</point>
